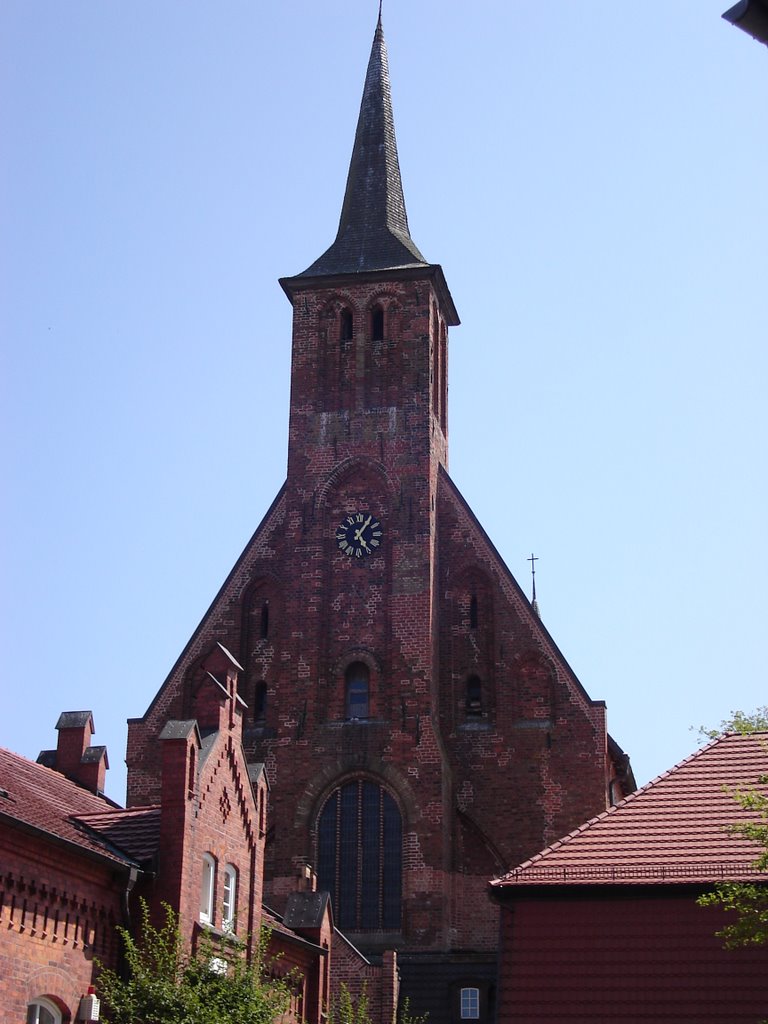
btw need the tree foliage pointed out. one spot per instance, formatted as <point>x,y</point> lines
<point>348,1010</point>
<point>345,1009</point>
<point>406,1017</point>
<point>167,985</point>
<point>738,721</point>
<point>748,901</point>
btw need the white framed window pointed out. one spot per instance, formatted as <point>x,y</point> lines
<point>43,1011</point>
<point>470,1004</point>
<point>206,889</point>
<point>229,903</point>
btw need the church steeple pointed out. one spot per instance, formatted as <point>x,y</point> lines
<point>373,230</point>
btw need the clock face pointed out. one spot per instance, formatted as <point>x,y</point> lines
<point>358,535</point>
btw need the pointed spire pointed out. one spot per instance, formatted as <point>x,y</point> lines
<point>373,230</point>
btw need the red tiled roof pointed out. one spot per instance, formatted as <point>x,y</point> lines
<point>136,830</point>
<point>674,830</point>
<point>42,799</point>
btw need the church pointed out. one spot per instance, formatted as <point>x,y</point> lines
<point>420,728</point>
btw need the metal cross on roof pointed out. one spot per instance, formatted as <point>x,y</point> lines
<point>533,560</point>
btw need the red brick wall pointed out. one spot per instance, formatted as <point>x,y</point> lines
<point>219,816</point>
<point>631,960</point>
<point>379,982</point>
<point>58,911</point>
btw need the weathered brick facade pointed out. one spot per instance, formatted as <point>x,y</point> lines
<point>74,866</point>
<point>58,910</point>
<point>469,720</point>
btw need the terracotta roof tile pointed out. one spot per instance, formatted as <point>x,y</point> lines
<point>44,800</point>
<point>675,829</point>
<point>136,831</point>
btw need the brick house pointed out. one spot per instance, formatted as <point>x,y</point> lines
<point>62,888</point>
<point>75,864</point>
<point>604,925</point>
<point>393,669</point>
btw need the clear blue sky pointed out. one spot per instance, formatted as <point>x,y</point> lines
<point>591,176</point>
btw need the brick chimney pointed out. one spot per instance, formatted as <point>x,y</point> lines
<point>306,878</point>
<point>180,745</point>
<point>74,756</point>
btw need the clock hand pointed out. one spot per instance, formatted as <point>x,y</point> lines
<point>359,533</point>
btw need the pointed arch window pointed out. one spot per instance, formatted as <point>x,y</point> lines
<point>346,324</point>
<point>260,702</point>
<point>192,773</point>
<point>356,686</point>
<point>443,393</point>
<point>360,855</point>
<point>377,323</point>
<point>473,612</point>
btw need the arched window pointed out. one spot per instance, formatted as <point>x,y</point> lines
<point>264,624</point>
<point>43,1011</point>
<point>260,702</point>
<point>377,323</point>
<point>206,889</point>
<point>357,678</point>
<point>229,902</point>
<point>474,696</point>
<point>473,612</point>
<point>470,1003</point>
<point>346,325</point>
<point>360,854</point>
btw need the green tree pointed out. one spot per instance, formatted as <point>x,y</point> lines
<point>168,985</point>
<point>749,901</point>
<point>757,721</point>
<point>406,1017</point>
<point>345,1009</point>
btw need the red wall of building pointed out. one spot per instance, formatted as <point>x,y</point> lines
<point>628,960</point>
<point>58,911</point>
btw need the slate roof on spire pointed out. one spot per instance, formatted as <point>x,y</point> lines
<point>373,229</point>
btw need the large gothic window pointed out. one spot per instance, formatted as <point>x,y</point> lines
<point>360,856</point>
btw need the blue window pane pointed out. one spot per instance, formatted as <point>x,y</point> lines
<point>359,856</point>
<point>470,1004</point>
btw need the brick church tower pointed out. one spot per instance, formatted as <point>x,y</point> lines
<point>421,730</point>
